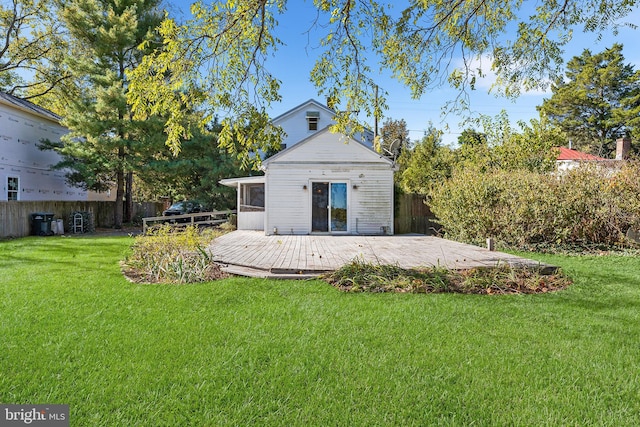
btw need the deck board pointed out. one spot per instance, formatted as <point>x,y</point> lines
<point>320,253</point>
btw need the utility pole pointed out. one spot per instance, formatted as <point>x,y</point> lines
<point>375,112</point>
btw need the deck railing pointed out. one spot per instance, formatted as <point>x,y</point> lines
<point>199,218</point>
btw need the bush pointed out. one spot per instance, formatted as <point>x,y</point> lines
<point>584,207</point>
<point>359,276</point>
<point>169,254</point>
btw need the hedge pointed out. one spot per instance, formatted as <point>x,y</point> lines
<point>586,206</point>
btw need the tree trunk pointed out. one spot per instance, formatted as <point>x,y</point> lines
<point>117,211</point>
<point>128,198</point>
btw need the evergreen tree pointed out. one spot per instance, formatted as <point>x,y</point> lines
<point>192,175</point>
<point>105,142</point>
<point>598,101</point>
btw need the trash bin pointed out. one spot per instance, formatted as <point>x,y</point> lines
<point>59,226</point>
<point>41,223</point>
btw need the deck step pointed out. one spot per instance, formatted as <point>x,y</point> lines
<point>242,270</point>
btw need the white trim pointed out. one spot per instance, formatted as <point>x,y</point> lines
<point>17,190</point>
<point>375,157</point>
<point>234,182</point>
<point>304,105</point>
<point>347,182</point>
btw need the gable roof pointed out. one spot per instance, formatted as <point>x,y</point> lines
<point>570,154</point>
<point>305,105</point>
<point>302,145</point>
<point>28,107</point>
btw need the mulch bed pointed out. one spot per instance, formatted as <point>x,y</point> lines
<point>213,272</point>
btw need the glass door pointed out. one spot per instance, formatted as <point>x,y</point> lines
<point>329,207</point>
<point>320,207</point>
<point>338,211</point>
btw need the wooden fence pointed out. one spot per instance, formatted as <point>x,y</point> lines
<point>200,218</point>
<point>15,216</point>
<point>412,215</point>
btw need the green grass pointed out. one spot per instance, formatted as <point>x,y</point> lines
<point>261,352</point>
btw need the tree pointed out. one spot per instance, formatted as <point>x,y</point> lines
<point>104,139</point>
<point>393,132</point>
<point>427,164</point>
<point>500,146</point>
<point>598,101</point>
<point>31,42</point>
<point>193,174</point>
<point>219,57</point>
<point>532,149</point>
<point>471,137</point>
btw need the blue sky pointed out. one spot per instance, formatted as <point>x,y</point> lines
<point>294,61</point>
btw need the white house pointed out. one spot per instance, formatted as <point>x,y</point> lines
<point>25,171</point>
<point>568,158</point>
<point>308,118</point>
<point>323,183</point>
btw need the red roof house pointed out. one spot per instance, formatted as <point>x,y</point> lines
<point>570,154</point>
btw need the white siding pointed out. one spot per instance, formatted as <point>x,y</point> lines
<point>370,203</point>
<point>250,220</point>
<point>373,202</point>
<point>329,157</point>
<point>287,207</point>
<point>296,128</point>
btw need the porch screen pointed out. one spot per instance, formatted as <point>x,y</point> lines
<point>252,198</point>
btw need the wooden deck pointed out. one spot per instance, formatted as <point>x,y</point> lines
<point>251,253</point>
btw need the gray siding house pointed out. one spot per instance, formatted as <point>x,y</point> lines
<point>25,170</point>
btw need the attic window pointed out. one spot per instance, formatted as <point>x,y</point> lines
<point>312,120</point>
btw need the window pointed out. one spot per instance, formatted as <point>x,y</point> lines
<point>252,197</point>
<point>13,187</point>
<point>312,120</point>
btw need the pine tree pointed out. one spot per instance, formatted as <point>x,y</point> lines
<point>192,175</point>
<point>104,141</point>
<point>598,101</point>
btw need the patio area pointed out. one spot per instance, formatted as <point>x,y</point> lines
<point>251,253</point>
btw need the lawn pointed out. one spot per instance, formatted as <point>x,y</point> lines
<point>262,352</point>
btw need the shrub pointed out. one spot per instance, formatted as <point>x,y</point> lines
<point>359,276</point>
<point>584,207</point>
<point>169,254</point>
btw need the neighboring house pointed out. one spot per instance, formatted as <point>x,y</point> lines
<point>323,183</point>
<point>569,159</point>
<point>25,171</point>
